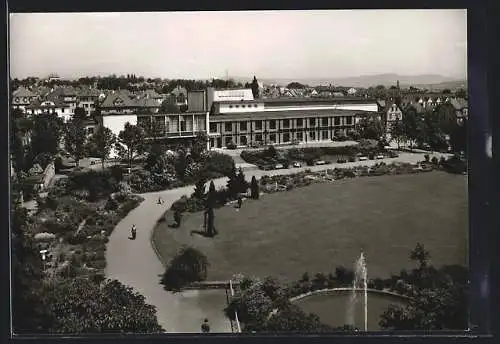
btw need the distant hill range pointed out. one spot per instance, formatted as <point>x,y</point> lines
<point>429,81</point>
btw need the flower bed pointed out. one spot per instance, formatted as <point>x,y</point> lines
<point>214,165</point>
<point>81,228</point>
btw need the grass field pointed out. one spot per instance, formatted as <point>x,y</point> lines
<point>319,227</point>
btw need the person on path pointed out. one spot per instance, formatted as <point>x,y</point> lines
<point>205,327</point>
<point>240,201</point>
<point>133,232</point>
<point>160,201</point>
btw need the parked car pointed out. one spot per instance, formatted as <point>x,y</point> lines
<point>297,164</point>
<point>278,166</point>
<point>393,154</point>
<point>320,162</point>
<point>380,156</point>
<point>362,158</point>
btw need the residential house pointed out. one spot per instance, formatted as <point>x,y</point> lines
<point>87,99</point>
<point>352,91</point>
<point>461,108</point>
<point>325,91</point>
<point>152,94</point>
<point>22,97</point>
<point>180,94</point>
<point>65,94</point>
<point>56,106</point>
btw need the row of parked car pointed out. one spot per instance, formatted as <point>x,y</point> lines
<point>359,157</point>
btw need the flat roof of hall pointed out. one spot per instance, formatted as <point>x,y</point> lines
<point>263,115</point>
<point>317,100</point>
<point>292,100</point>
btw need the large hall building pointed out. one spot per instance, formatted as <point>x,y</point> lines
<point>233,116</point>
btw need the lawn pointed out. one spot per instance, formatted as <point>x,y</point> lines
<point>316,228</point>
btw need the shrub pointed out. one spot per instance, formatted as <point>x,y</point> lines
<point>111,204</point>
<point>58,164</point>
<point>188,266</point>
<point>217,164</point>
<point>231,145</point>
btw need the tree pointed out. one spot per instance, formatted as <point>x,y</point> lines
<point>132,138</point>
<point>47,133</point>
<point>181,163</point>
<point>188,266</point>
<point>199,148</point>
<point>242,184</point>
<point>254,187</point>
<point>74,139</point>
<point>370,128</point>
<point>397,132</point>
<point>458,136</point>
<point>255,88</point>
<point>211,196</point>
<point>210,229</point>
<point>80,114</point>
<point>155,159</point>
<point>264,307</point>
<point>233,183</point>
<point>177,217</point>
<point>199,188</point>
<point>296,85</point>
<point>101,143</point>
<point>438,297</point>
<point>28,311</point>
<point>411,121</point>
<point>84,306</point>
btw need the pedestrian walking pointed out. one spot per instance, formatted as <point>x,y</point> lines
<point>133,232</point>
<point>205,327</point>
<point>160,200</point>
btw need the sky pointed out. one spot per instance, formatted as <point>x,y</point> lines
<point>269,44</point>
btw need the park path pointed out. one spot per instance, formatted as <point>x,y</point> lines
<point>134,262</point>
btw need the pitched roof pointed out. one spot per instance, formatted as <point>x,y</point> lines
<point>150,94</point>
<point>459,103</point>
<point>178,91</point>
<point>117,99</point>
<point>64,91</point>
<point>87,92</point>
<point>23,92</point>
<point>146,102</point>
<point>37,103</point>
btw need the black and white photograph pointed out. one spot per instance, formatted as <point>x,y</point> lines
<point>286,171</point>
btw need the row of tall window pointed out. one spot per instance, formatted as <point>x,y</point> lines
<point>285,138</point>
<point>285,124</point>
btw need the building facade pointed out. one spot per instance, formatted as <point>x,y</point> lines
<point>284,121</point>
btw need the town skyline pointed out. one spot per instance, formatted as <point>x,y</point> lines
<point>100,44</point>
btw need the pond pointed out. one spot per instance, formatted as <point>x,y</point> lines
<point>331,307</point>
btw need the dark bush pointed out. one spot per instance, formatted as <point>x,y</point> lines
<point>231,145</point>
<point>217,164</point>
<point>58,164</point>
<point>111,204</point>
<point>99,184</point>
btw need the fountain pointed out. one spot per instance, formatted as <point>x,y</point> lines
<point>359,282</point>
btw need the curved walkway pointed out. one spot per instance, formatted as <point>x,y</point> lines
<point>134,262</point>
